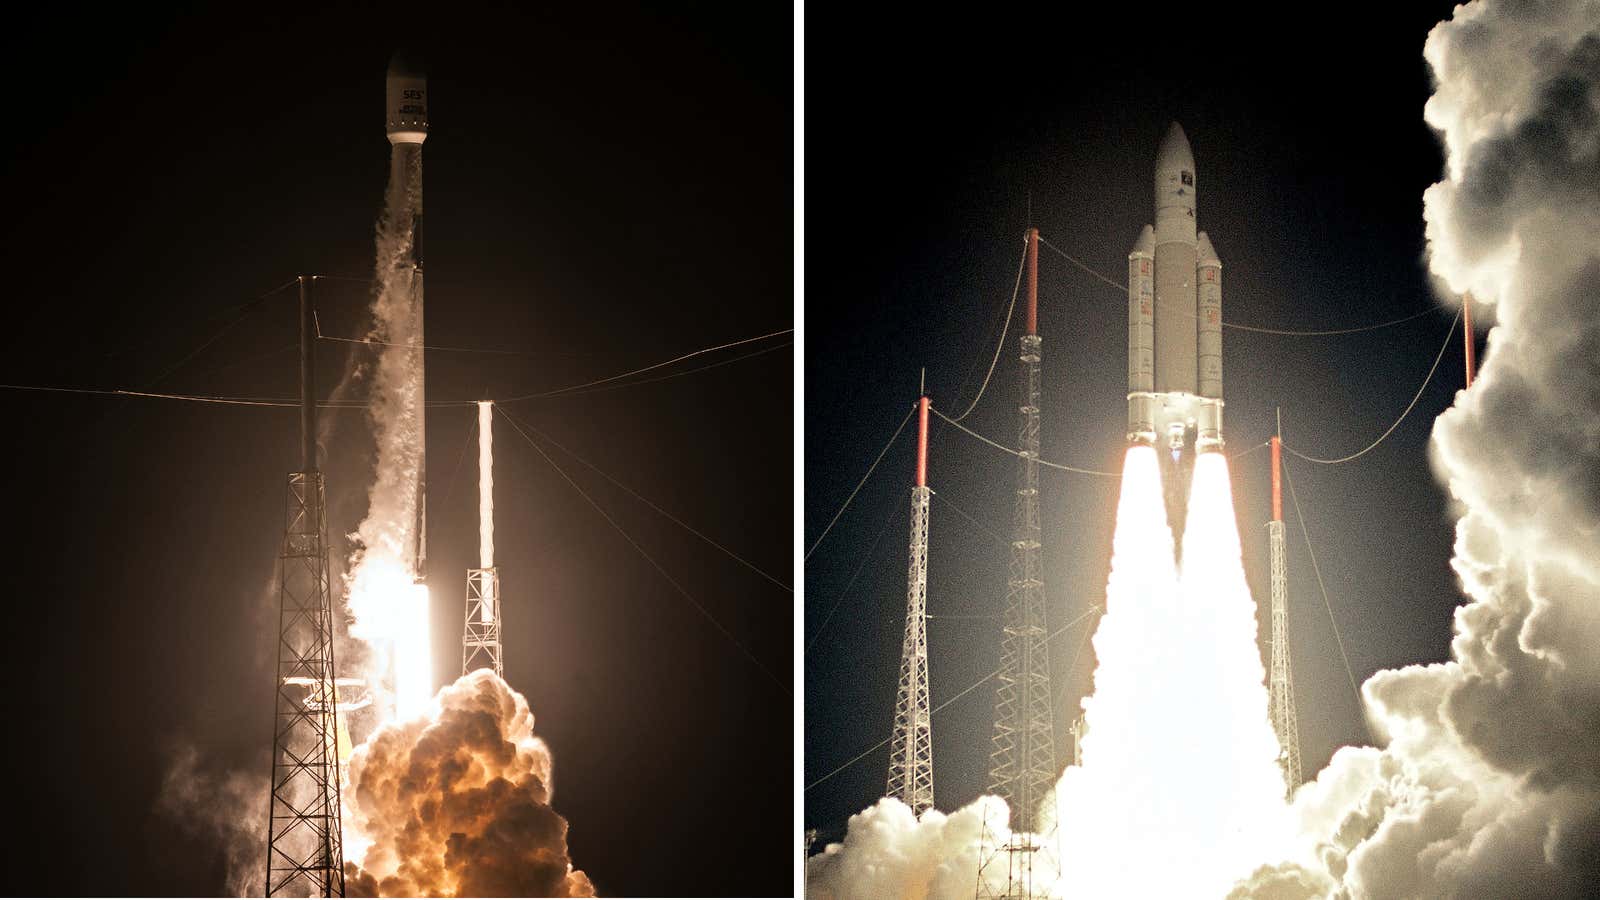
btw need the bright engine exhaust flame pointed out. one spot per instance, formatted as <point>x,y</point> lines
<point>1179,755</point>
<point>1179,793</point>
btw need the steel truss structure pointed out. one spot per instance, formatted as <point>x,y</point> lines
<point>1023,761</point>
<point>911,748</point>
<point>1281,682</point>
<point>305,854</point>
<point>480,636</point>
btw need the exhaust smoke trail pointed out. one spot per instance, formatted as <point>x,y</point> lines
<point>1179,756</point>
<point>387,610</point>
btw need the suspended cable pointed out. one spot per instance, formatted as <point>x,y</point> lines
<point>1000,345</point>
<point>244,310</point>
<point>461,457</point>
<point>639,371</point>
<point>648,558</point>
<point>646,501</point>
<point>1119,286</point>
<point>975,523</point>
<point>857,574</point>
<point>935,711</point>
<point>1326,604</point>
<point>377,343</point>
<point>725,362</point>
<point>1288,332</point>
<point>863,481</point>
<point>1448,337</point>
<point>1018,453</point>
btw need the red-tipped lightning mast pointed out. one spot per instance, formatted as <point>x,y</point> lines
<point>1467,336</point>
<point>922,442</point>
<point>911,747</point>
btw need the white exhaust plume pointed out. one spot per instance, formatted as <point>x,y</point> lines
<point>457,803</point>
<point>1490,782</point>
<point>1179,756</point>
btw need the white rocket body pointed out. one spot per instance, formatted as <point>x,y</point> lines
<point>1175,315</point>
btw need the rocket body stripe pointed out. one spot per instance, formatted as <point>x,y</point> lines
<point>922,442</point>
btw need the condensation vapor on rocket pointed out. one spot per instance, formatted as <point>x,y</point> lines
<point>388,599</point>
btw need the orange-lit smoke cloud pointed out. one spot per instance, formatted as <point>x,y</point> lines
<point>457,803</point>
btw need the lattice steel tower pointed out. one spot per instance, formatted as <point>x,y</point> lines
<point>480,636</point>
<point>911,748</point>
<point>1284,721</point>
<point>1023,761</point>
<point>305,854</point>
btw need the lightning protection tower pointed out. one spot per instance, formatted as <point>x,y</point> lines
<point>305,854</point>
<point>1023,761</point>
<point>1284,721</point>
<point>911,748</point>
<point>480,637</point>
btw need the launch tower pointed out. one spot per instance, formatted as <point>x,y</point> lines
<point>1023,761</point>
<point>911,747</point>
<point>305,854</point>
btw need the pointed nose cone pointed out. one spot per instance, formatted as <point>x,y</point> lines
<point>1175,152</point>
<point>1205,253</point>
<point>1146,245</point>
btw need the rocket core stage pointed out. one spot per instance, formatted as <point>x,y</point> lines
<point>1175,326</point>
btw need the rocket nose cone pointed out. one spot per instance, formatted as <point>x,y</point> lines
<point>405,64</point>
<point>1175,152</point>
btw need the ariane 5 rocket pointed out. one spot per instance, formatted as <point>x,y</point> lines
<point>1175,327</point>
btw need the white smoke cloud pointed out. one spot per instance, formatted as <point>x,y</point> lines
<point>226,807</point>
<point>1490,782</point>
<point>457,803</point>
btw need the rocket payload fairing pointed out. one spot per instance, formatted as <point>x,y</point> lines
<point>1175,324</point>
<point>406,122</point>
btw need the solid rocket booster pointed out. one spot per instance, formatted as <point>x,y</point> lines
<point>406,123</point>
<point>1175,315</point>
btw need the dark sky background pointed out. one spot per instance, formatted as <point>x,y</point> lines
<point>925,138</point>
<point>606,187</point>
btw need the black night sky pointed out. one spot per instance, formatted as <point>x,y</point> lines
<point>606,187</point>
<point>928,138</point>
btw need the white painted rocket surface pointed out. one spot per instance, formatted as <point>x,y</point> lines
<point>1175,324</point>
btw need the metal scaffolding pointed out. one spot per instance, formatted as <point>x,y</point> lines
<point>1284,721</point>
<point>1023,761</point>
<point>305,854</point>
<point>911,748</point>
<point>480,638</point>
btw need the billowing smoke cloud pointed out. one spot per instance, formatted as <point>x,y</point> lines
<point>1490,782</point>
<point>458,803</point>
